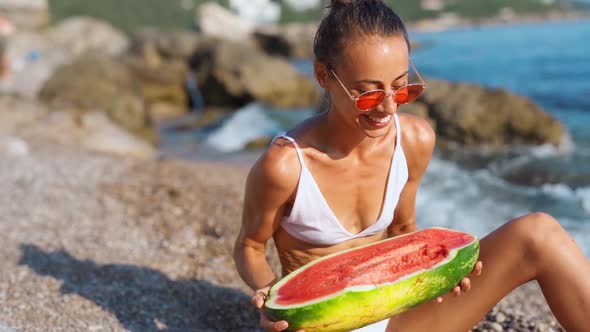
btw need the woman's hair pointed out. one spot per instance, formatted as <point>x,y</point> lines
<point>354,17</point>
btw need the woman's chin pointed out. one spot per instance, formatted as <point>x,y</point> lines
<point>374,129</point>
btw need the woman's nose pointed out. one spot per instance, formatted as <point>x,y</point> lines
<point>388,104</point>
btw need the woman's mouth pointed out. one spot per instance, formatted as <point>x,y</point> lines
<point>377,122</point>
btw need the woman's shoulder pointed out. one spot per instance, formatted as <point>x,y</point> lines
<point>418,139</point>
<point>416,132</point>
<point>278,167</point>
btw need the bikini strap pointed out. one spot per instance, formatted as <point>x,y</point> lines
<point>297,149</point>
<point>398,131</point>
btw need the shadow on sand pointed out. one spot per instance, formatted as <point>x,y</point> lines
<point>144,299</point>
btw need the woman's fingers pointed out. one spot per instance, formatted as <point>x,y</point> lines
<point>274,326</point>
<point>465,284</point>
<point>478,268</point>
<point>258,300</point>
<point>260,297</point>
<point>266,324</point>
<point>271,326</point>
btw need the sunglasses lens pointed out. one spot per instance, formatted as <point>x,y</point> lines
<point>370,100</point>
<point>408,93</point>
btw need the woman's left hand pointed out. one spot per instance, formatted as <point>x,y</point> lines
<point>465,284</point>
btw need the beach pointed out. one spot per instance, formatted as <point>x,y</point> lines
<point>96,242</point>
<point>122,199</point>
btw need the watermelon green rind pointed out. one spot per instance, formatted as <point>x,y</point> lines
<point>369,304</point>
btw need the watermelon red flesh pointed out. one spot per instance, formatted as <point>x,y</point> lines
<point>380,264</point>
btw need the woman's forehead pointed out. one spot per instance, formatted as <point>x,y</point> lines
<point>374,57</point>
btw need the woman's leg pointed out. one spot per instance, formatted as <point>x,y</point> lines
<point>531,247</point>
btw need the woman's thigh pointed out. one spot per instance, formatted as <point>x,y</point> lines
<point>504,254</point>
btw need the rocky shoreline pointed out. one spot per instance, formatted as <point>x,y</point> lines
<point>84,65</point>
<point>99,242</point>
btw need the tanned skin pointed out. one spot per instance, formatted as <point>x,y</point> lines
<point>350,160</point>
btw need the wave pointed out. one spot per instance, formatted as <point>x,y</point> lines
<point>252,122</point>
<point>479,201</point>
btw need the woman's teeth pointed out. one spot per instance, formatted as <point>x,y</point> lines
<point>379,120</point>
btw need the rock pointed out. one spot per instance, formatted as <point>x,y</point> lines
<point>179,45</point>
<point>26,14</point>
<point>35,56</point>
<point>103,136</point>
<point>214,20</point>
<point>91,130</point>
<point>500,318</point>
<point>293,40</point>
<point>234,74</point>
<point>161,111</point>
<point>128,111</point>
<point>420,110</point>
<point>103,84</point>
<point>33,60</point>
<point>473,115</point>
<point>83,35</point>
<point>258,143</point>
<point>493,327</point>
<point>160,83</point>
<point>88,83</point>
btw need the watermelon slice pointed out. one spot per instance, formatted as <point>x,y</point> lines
<point>360,286</point>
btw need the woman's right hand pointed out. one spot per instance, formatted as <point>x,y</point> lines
<point>266,324</point>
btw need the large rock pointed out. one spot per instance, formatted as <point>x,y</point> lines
<point>162,82</point>
<point>26,124</point>
<point>104,84</point>
<point>155,45</point>
<point>291,40</point>
<point>234,74</point>
<point>33,59</point>
<point>36,55</point>
<point>82,35</point>
<point>214,20</point>
<point>469,114</point>
<point>26,14</point>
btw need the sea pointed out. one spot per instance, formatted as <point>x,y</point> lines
<point>546,62</point>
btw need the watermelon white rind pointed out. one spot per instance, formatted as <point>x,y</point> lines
<point>353,307</point>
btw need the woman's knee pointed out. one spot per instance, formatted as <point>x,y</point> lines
<point>538,232</point>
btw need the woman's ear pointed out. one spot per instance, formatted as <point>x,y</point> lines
<point>320,71</point>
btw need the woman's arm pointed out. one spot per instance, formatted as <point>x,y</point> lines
<point>418,142</point>
<point>270,186</point>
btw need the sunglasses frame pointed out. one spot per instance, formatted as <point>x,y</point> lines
<point>387,94</point>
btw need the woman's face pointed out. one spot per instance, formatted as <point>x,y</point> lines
<point>367,63</point>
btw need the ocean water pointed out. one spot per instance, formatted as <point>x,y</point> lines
<point>549,63</point>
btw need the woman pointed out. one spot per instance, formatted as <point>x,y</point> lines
<point>349,177</point>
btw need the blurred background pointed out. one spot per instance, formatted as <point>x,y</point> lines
<point>127,128</point>
<point>508,89</point>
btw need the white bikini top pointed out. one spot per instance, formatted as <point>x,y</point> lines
<point>313,221</point>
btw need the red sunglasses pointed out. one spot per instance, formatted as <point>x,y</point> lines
<point>370,99</point>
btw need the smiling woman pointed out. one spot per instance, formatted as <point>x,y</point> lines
<point>349,177</point>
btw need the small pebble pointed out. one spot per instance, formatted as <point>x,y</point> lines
<point>500,318</point>
<point>496,327</point>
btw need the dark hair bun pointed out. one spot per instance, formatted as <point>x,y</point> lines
<point>336,4</point>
